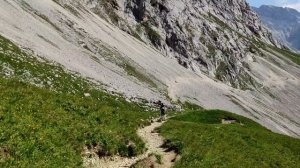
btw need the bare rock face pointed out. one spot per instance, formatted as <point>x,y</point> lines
<point>203,35</point>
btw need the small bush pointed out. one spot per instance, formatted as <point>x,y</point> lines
<point>222,71</point>
<point>154,36</point>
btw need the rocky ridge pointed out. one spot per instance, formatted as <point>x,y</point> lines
<point>205,36</point>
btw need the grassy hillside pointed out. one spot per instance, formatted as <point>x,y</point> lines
<point>281,53</point>
<point>46,119</point>
<point>287,53</point>
<point>204,142</point>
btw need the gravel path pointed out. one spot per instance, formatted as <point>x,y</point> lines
<point>153,143</point>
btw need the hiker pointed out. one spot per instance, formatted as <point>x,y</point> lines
<point>162,111</point>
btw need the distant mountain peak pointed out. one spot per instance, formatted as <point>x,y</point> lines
<point>284,22</point>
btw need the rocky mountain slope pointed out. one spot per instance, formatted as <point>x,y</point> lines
<point>212,53</point>
<point>201,35</point>
<point>283,22</point>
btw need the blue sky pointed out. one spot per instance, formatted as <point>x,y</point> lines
<point>284,3</point>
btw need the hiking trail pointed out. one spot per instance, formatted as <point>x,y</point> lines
<point>153,142</point>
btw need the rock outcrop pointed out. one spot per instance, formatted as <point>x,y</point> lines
<point>207,36</point>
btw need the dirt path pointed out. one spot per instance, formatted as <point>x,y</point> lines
<point>153,143</point>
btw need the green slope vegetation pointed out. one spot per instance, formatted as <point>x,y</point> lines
<point>46,119</point>
<point>287,53</point>
<point>40,128</point>
<point>203,141</point>
<point>257,45</point>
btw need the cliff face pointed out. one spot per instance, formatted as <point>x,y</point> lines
<point>209,36</point>
<point>284,23</point>
<point>212,53</point>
